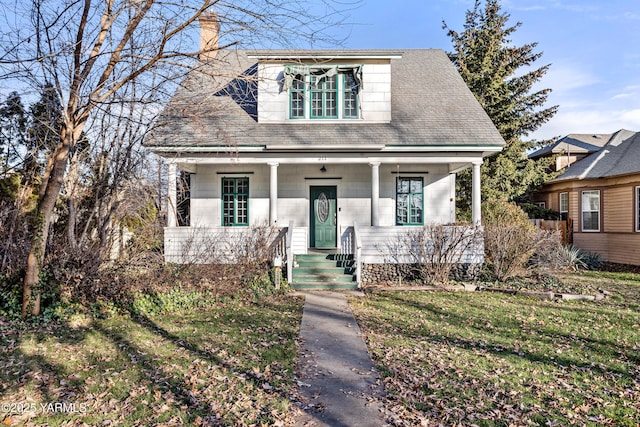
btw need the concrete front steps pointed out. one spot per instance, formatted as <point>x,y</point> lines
<point>323,271</point>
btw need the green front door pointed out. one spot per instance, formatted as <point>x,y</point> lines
<point>323,222</point>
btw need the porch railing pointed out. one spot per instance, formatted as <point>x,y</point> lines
<point>357,252</point>
<point>288,253</point>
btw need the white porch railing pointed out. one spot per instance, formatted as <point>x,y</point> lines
<point>357,254</point>
<point>289,252</point>
<point>390,245</point>
<point>223,245</point>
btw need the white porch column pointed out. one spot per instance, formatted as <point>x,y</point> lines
<point>273,193</point>
<point>475,194</point>
<point>375,193</point>
<point>172,196</point>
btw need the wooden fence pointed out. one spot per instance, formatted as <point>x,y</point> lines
<point>565,227</point>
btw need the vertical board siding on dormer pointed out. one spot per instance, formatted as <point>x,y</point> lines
<point>375,96</point>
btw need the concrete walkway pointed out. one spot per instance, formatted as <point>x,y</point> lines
<point>338,382</point>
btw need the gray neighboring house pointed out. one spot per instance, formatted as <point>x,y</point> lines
<point>342,150</point>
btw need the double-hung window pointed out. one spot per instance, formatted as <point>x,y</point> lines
<point>235,201</point>
<point>591,210</point>
<point>564,206</point>
<point>409,201</point>
<point>323,93</point>
<point>637,209</point>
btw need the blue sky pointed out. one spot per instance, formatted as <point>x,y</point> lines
<point>593,47</point>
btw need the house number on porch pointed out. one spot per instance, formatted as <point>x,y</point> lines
<point>323,207</point>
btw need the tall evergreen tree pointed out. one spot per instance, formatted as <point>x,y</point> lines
<point>13,132</point>
<point>46,116</point>
<point>492,68</point>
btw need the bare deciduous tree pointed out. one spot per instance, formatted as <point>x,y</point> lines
<point>91,51</point>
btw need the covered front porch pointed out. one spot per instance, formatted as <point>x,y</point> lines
<point>348,203</point>
<point>368,188</point>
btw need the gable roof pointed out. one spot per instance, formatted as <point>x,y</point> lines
<point>216,106</point>
<point>619,156</point>
<point>574,143</point>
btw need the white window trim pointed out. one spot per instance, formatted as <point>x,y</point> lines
<point>637,211</point>
<point>582,211</point>
<point>560,204</point>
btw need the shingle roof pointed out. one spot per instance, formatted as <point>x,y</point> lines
<point>575,143</point>
<point>620,156</point>
<point>430,106</point>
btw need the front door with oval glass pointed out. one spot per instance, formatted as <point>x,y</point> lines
<point>323,221</point>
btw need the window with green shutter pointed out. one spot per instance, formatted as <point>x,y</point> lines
<point>235,201</point>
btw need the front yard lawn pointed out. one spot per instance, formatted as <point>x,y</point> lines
<point>486,359</point>
<point>231,364</point>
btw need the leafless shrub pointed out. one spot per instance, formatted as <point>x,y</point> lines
<point>513,249</point>
<point>254,245</point>
<point>434,250</point>
<point>513,245</point>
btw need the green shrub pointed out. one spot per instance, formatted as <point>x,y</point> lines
<point>569,257</point>
<point>535,211</point>
<point>176,300</point>
<point>10,296</point>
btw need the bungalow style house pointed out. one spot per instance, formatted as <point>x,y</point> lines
<point>339,149</point>
<point>571,148</point>
<point>601,195</point>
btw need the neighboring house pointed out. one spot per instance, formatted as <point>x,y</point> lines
<point>341,149</point>
<point>571,148</point>
<point>601,195</point>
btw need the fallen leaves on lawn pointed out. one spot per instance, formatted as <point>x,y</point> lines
<point>452,359</point>
<point>157,372</point>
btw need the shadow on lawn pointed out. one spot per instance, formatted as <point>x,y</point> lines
<point>44,376</point>
<point>497,337</point>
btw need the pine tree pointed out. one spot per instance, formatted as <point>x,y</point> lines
<point>492,68</point>
<point>13,132</point>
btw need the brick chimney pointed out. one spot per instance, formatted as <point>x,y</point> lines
<point>209,34</point>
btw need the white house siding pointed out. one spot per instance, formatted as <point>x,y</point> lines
<point>375,96</point>
<point>353,182</point>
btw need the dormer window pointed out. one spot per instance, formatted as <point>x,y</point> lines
<point>323,93</point>
<point>324,96</point>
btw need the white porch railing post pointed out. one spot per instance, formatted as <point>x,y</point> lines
<point>273,193</point>
<point>289,252</point>
<point>375,193</point>
<point>357,253</point>
<point>476,209</point>
<point>172,192</point>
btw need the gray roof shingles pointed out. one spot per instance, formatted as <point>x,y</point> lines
<point>575,143</point>
<point>430,106</point>
<point>620,156</point>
